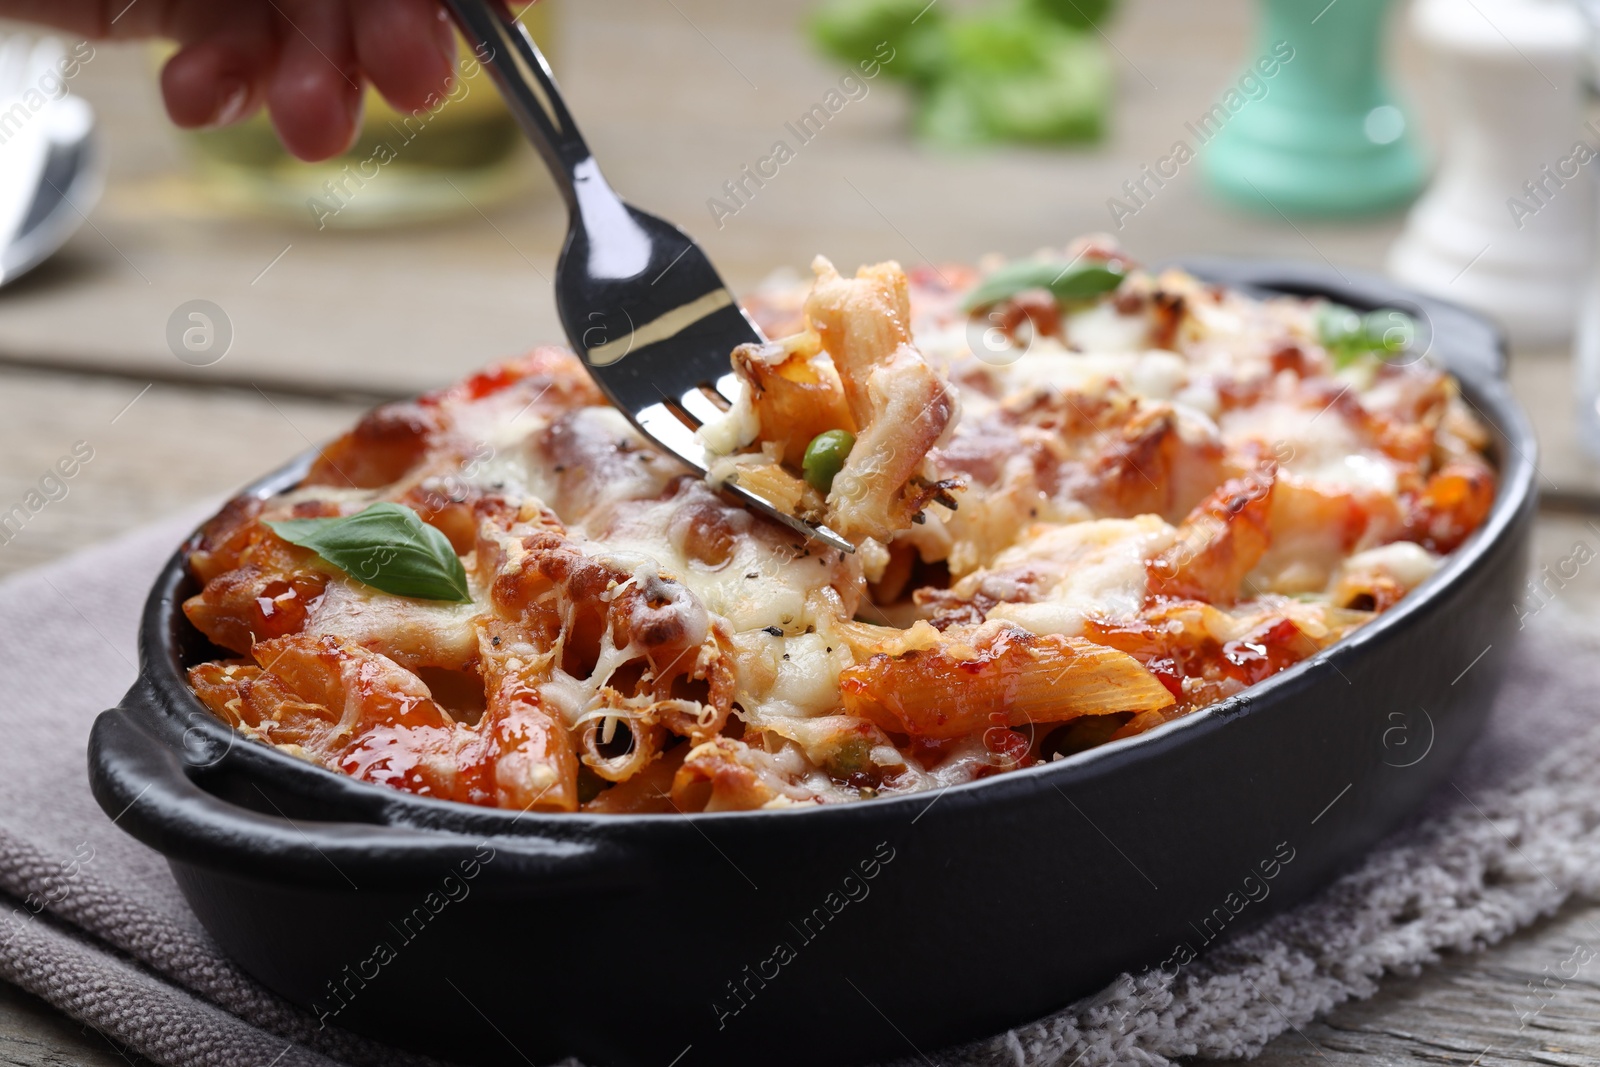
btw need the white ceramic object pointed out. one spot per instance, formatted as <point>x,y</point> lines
<point>1505,227</point>
<point>1586,346</point>
<point>1586,369</point>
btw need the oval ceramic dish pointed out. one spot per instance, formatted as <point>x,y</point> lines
<point>839,934</point>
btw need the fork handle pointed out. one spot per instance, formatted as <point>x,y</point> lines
<point>519,69</point>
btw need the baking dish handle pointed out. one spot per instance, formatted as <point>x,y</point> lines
<point>154,788</point>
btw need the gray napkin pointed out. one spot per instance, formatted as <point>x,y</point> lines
<point>93,922</point>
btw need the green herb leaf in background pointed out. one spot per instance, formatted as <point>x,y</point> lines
<point>854,31</point>
<point>1067,281</point>
<point>386,546</point>
<point>1009,70</point>
<point>1079,14</point>
<point>1014,74</point>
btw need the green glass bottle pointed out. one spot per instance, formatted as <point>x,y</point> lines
<point>1326,137</point>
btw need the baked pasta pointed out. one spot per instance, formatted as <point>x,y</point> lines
<point>1084,502</point>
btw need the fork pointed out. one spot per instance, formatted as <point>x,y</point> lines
<point>641,303</point>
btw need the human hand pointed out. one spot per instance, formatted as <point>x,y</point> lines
<point>307,61</point>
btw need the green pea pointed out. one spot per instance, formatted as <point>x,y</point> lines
<point>825,457</point>
<point>852,757</point>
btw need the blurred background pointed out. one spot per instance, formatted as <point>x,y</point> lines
<point>418,277</point>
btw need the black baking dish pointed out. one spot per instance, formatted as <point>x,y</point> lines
<point>839,934</point>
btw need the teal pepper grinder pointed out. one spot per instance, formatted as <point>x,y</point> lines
<point>1325,137</point>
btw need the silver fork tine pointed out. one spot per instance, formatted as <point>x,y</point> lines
<point>700,406</point>
<point>670,433</point>
<point>767,508</point>
<point>668,430</point>
<point>727,387</point>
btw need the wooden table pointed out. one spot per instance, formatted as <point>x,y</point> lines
<point>676,96</point>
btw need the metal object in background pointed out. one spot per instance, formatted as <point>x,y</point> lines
<point>1505,228</point>
<point>51,172</point>
<point>641,303</point>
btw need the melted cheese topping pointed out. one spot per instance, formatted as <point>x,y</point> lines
<point>1094,568</point>
<point>1171,483</point>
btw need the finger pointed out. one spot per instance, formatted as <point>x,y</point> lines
<point>315,93</point>
<point>86,17</point>
<point>406,48</point>
<point>219,73</point>
<point>214,83</point>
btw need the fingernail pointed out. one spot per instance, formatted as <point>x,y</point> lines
<point>235,96</point>
<point>357,109</point>
<point>444,32</point>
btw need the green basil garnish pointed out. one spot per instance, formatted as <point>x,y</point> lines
<point>1349,336</point>
<point>1066,281</point>
<point>386,546</point>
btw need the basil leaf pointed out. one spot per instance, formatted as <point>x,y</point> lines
<point>1066,281</point>
<point>1389,330</point>
<point>1349,336</point>
<point>1339,331</point>
<point>902,39</point>
<point>1079,14</point>
<point>1081,283</point>
<point>386,546</point>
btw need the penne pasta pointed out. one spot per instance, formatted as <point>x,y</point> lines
<point>1003,677</point>
<point>1129,502</point>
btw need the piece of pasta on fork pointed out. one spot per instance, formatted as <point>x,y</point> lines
<point>853,384</point>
